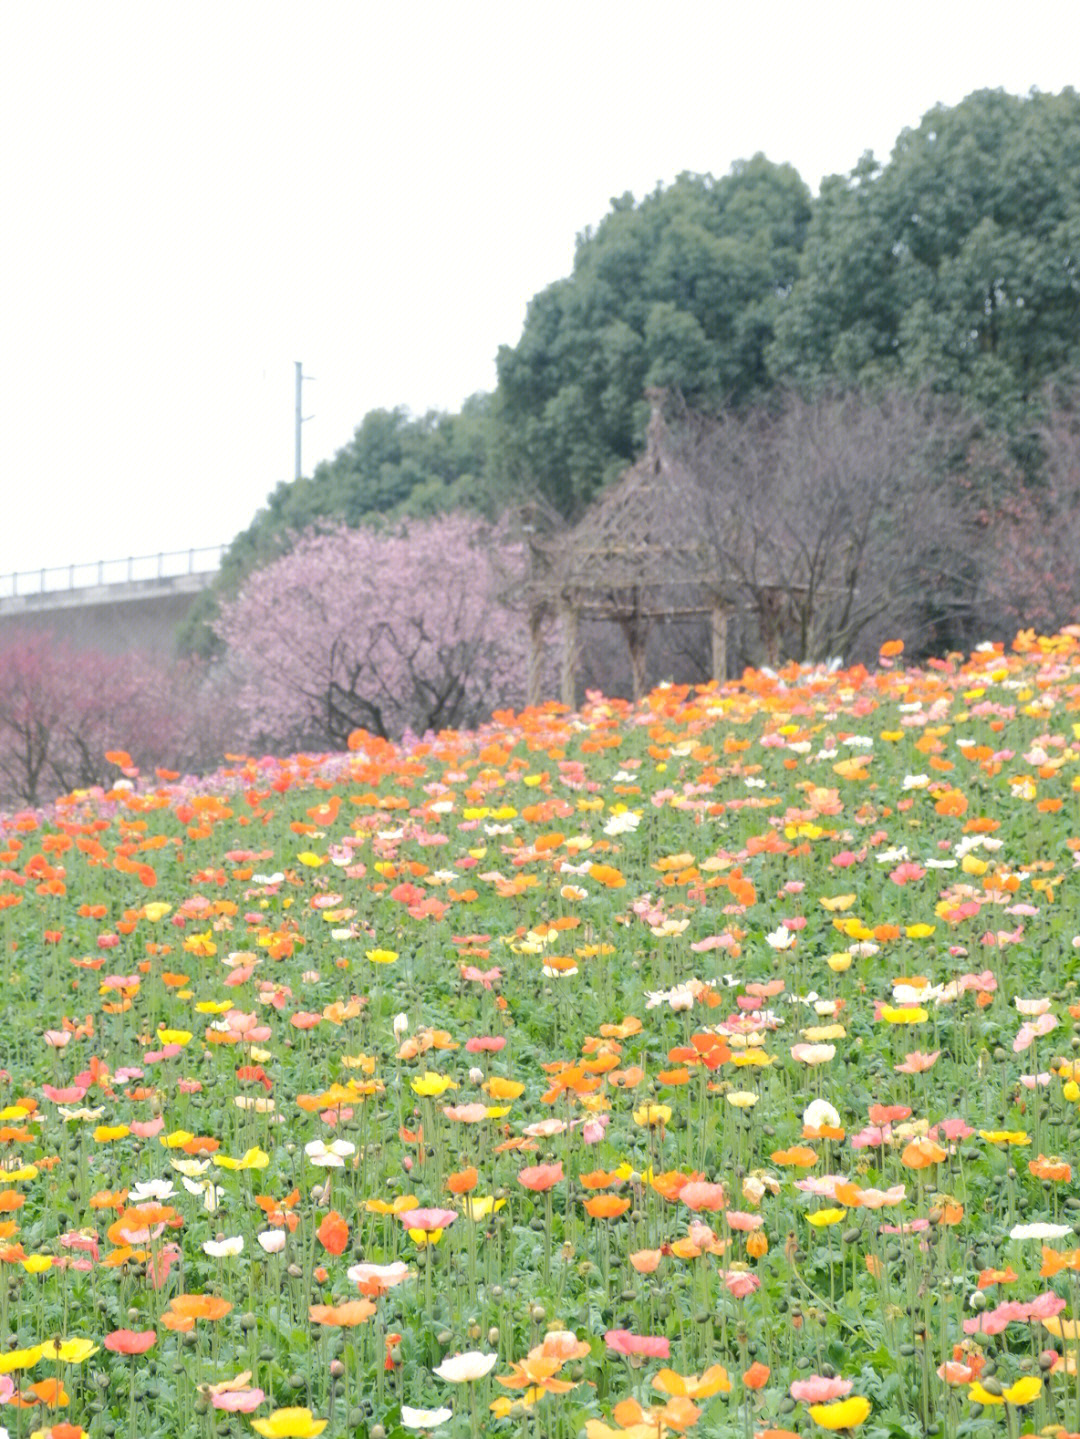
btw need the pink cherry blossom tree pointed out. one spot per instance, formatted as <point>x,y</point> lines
<point>387,631</point>
<point>62,708</point>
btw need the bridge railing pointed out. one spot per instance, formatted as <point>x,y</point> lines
<point>167,564</point>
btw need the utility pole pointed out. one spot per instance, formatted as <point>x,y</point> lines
<point>301,418</point>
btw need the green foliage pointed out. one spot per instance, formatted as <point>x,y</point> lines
<point>953,265</point>
<point>681,291</point>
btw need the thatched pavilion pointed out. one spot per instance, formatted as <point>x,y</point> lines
<point>643,553</point>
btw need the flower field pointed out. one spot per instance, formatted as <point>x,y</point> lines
<point>710,1067</point>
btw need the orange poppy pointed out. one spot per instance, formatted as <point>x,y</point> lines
<point>801,1156</point>
<point>921,1154</point>
<point>606,1206</point>
<point>345,1316</point>
<point>333,1233</point>
<point>1054,1169</point>
<point>599,1179</point>
<point>199,1306</point>
<point>464,1181</point>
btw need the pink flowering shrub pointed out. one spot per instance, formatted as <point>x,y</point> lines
<point>62,708</point>
<point>386,631</point>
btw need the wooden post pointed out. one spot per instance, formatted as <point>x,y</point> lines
<point>536,656</point>
<point>636,631</point>
<point>719,642</point>
<point>569,617</point>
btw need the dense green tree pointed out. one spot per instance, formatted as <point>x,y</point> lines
<point>682,291</point>
<point>956,264</point>
<point>953,267</point>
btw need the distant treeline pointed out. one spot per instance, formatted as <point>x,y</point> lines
<point>952,269</point>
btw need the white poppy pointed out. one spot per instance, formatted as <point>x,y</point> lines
<point>224,1248</point>
<point>424,1418</point>
<point>460,1368</point>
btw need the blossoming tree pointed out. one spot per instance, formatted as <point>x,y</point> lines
<point>379,630</point>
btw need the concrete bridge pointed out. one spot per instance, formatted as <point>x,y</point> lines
<point>113,606</point>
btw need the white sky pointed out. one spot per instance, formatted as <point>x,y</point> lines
<point>194,194</point>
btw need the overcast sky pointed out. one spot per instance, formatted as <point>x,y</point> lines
<point>195,195</point>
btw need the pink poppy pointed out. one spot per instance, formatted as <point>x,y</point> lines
<point>238,1401</point>
<point>427,1219</point>
<point>651,1346</point>
<point>69,1094</point>
<point>739,1283</point>
<point>739,1219</point>
<point>486,977</point>
<point>147,1128</point>
<point>819,1390</point>
<point>954,1129</point>
<point>700,1194</point>
<point>907,873</point>
<point>540,1177</point>
<point>157,1271</point>
<point>130,1341</point>
<point>913,1226</point>
<point>480,1043</point>
<point>872,1137</point>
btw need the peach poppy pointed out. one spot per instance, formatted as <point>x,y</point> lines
<point>700,1194</point>
<point>646,1261</point>
<point>346,1315</point>
<point>541,1177</point>
<point>560,1344</point>
<point>917,1062</point>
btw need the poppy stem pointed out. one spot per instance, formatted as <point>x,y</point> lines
<point>547,1237</point>
<point>133,1432</point>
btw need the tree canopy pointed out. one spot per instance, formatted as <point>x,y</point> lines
<point>681,291</point>
<point>953,267</point>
